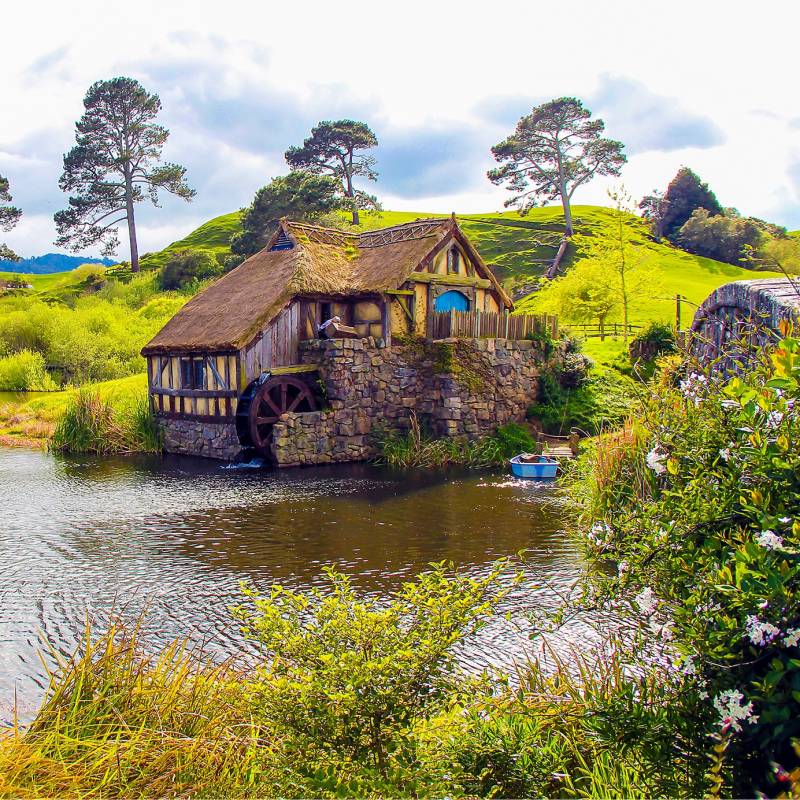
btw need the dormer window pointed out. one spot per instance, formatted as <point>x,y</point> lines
<point>453,261</point>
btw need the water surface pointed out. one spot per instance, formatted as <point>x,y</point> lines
<point>85,535</point>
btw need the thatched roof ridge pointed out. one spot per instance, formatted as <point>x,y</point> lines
<point>324,261</point>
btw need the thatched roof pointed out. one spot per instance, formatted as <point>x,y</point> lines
<point>323,261</point>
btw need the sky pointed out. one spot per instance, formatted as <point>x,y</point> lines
<point>711,85</point>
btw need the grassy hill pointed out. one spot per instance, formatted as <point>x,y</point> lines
<point>214,235</point>
<point>517,248</point>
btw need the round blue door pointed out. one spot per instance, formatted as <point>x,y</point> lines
<point>451,301</point>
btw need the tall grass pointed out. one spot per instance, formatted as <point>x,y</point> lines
<point>91,424</point>
<point>117,722</point>
<point>418,449</point>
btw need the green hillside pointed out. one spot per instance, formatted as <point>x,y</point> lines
<point>214,235</point>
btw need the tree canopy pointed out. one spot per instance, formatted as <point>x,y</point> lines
<point>9,217</point>
<point>724,237</point>
<point>335,148</point>
<point>297,196</point>
<point>115,164</point>
<point>685,193</point>
<point>654,208</point>
<point>554,150</point>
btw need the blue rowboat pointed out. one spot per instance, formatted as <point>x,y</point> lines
<point>531,466</point>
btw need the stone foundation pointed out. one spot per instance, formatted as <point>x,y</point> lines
<point>195,438</point>
<point>456,387</point>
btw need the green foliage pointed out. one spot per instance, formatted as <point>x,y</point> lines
<point>685,193</point>
<point>25,372</point>
<point>600,401</point>
<point>188,267</point>
<point>654,341</point>
<point>113,166</point>
<point>298,196</point>
<point>9,216</point>
<point>731,239</point>
<point>554,150</point>
<point>91,424</point>
<point>709,531</point>
<point>335,149</point>
<point>350,679</point>
<point>513,439</point>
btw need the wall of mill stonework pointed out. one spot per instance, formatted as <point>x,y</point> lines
<point>457,387</point>
<point>196,438</point>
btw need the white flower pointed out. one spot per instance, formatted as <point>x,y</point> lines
<point>622,568</point>
<point>599,532</point>
<point>732,710</point>
<point>655,460</point>
<point>689,666</point>
<point>693,387</point>
<point>774,419</point>
<point>785,520</point>
<point>647,601</point>
<point>725,454</point>
<point>792,637</point>
<point>666,631</point>
<point>769,540</point>
<point>760,633</point>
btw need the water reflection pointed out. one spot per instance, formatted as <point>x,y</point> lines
<point>80,535</point>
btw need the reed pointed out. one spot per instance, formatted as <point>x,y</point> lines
<point>418,449</point>
<point>91,424</point>
<point>118,723</point>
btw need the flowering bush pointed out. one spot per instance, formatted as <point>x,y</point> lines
<point>708,551</point>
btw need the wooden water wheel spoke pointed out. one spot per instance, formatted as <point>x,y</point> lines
<point>279,395</point>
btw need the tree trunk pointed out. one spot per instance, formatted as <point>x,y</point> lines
<point>602,325</point>
<point>567,212</point>
<point>131,226</point>
<point>350,194</point>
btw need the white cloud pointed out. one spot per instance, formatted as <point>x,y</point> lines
<point>241,81</point>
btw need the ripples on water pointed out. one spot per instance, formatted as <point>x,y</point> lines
<point>82,536</point>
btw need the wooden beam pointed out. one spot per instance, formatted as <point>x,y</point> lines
<point>194,392</point>
<point>294,369</point>
<point>401,292</point>
<point>450,280</point>
<point>217,376</point>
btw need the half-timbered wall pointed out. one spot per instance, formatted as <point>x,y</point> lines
<point>193,384</point>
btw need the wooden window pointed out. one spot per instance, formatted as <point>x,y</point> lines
<point>453,261</point>
<point>193,373</point>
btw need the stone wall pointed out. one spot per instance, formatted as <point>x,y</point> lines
<point>457,387</point>
<point>739,319</point>
<point>196,438</point>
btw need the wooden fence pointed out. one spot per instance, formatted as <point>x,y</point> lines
<point>490,325</point>
<point>609,329</point>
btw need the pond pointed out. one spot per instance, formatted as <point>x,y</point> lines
<point>86,535</point>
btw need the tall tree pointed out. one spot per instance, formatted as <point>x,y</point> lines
<point>685,193</point>
<point>9,217</point>
<point>115,163</point>
<point>334,149</point>
<point>298,195</point>
<point>654,208</point>
<point>554,150</point>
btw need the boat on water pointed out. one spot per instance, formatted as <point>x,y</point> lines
<point>536,467</point>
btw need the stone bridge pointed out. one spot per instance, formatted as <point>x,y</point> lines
<point>741,318</point>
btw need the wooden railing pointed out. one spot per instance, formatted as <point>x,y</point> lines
<point>609,329</point>
<point>490,325</point>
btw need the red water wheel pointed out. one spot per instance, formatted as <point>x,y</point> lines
<point>278,395</point>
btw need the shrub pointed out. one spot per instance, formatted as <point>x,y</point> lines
<point>710,544</point>
<point>25,372</point>
<point>349,680</point>
<point>513,439</point>
<point>189,266</point>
